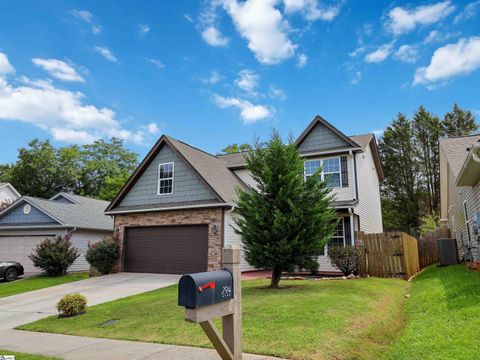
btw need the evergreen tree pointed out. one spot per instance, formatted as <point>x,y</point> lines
<point>458,122</point>
<point>399,157</point>
<point>285,221</point>
<point>427,130</point>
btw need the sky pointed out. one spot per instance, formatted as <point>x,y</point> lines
<point>212,73</point>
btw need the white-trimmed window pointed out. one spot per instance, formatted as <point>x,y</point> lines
<point>331,173</point>
<point>165,178</point>
<point>338,237</point>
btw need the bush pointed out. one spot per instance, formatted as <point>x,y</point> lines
<point>345,258</point>
<point>55,256</point>
<point>103,255</point>
<point>72,304</point>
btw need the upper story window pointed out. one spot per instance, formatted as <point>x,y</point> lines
<point>331,173</point>
<point>165,178</point>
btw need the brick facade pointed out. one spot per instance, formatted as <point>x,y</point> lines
<point>180,217</point>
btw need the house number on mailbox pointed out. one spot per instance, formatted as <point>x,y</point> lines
<point>227,291</point>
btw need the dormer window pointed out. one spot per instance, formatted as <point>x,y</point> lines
<point>165,178</point>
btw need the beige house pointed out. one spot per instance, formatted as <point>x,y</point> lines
<point>460,192</point>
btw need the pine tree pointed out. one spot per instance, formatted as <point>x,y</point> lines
<point>401,167</point>
<point>286,220</point>
<point>427,127</point>
<point>458,122</point>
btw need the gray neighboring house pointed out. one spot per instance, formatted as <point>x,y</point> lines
<point>175,214</point>
<point>29,220</point>
<point>460,192</point>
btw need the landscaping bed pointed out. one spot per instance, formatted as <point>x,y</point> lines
<point>38,282</point>
<point>303,320</point>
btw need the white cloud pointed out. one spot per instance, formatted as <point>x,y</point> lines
<point>248,81</point>
<point>277,93</point>
<point>156,62</point>
<point>357,51</point>
<point>378,133</point>
<point>249,112</point>
<point>262,25</point>
<point>213,37</point>
<point>301,60</point>
<point>58,69</point>
<point>152,128</point>
<point>106,53</point>
<point>5,66</point>
<point>402,20</point>
<point>311,9</point>
<point>460,58</point>
<point>65,114</point>
<point>143,29</point>
<point>87,17</point>
<point>380,54</point>
<point>214,78</point>
<point>407,54</point>
<point>188,18</point>
<point>467,13</point>
<point>356,78</point>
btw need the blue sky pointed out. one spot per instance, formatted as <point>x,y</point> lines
<point>213,73</point>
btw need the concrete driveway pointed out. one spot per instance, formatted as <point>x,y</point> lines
<point>30,306</point>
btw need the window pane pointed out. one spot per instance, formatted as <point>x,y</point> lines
<point>331,165</point>
<point>332,180</point>
<point>311,166</point>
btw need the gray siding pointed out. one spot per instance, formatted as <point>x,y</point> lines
<point>17,217</point>
<point>187,185</point>
<point>321,138</point>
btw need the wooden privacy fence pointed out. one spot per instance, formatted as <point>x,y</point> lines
<point>390,254</point>
<point>428,246</point>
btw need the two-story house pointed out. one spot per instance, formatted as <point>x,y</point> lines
<point>460,192</point>
<point>177,210</point>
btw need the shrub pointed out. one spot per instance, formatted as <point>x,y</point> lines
<point>345,258</point>
<point>54,256</point>
<point>103,255</point>
<point>72,304</point>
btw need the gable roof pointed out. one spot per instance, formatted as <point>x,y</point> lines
<point>455,151</point>
<point>85,213</point>
<point>319,120</point>
<point>3,184</point>
<point>210,168</point>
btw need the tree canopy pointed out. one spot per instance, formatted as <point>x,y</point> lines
<point>235,148</point>
<point>97,170</point>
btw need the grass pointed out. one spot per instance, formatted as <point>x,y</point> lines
<point>24,356</point>
<point>38,282</point>
<point>303,320</point>
<point>443,316</point>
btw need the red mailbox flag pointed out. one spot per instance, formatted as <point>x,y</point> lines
<point>210,285</point>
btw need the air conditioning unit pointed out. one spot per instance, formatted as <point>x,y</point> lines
<point>447,249</point>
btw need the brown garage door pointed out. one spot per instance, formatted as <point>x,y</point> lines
<point>166,249</point>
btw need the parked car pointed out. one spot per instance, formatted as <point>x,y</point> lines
<point>10,270</point>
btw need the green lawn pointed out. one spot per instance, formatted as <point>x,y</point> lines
<point>24,356</point>
<point>304,320</point>
<point>38,282</point>
<point>443,316</point>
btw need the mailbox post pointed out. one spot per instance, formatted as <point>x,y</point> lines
<point>216,294</point>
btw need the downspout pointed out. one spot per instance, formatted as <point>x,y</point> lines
<point>225,212</point>
<point>352,225</point>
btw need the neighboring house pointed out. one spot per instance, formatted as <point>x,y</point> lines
<point>177,210</point>
<point>460,192</point>
<point>8,194</point>
<point>29,220</point>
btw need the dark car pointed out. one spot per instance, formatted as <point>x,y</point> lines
<point>10,270</point>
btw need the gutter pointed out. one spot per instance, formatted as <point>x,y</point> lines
<point>114,212</point>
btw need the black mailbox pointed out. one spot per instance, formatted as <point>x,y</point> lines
<point>205,288</point>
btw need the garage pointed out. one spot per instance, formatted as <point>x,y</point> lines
<point>166,249</point>
<point>18,248</point>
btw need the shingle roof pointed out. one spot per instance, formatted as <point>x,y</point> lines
<point>213,170</point>
<point>455,150</point>
<point>237,160</point>
<point>86,213</point>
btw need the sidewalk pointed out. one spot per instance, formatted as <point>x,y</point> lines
<point>81,348</point>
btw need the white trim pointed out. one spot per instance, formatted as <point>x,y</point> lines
<point>11,188</point>
<point>172,178</point>
<point>352,225</point>
<point>169,208</point>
